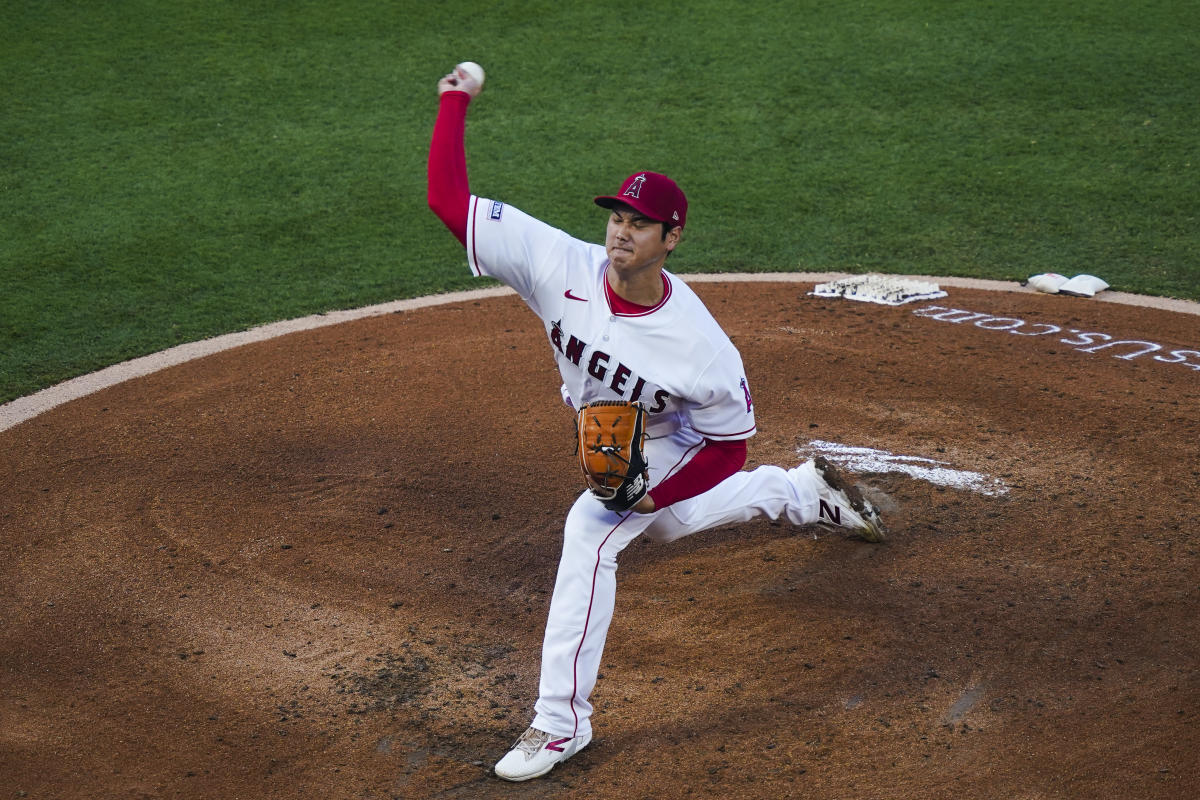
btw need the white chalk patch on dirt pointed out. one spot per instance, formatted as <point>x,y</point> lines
<point>866,459</point>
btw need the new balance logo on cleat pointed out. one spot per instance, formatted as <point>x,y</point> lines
<point>842,504</point>
<point>831,513</point>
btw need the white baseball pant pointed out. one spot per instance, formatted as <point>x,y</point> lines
<point>585,590</point>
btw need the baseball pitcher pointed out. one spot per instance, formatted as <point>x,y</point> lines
<point>662,401</point>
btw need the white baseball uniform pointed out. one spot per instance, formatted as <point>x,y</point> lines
<point>677,360</point>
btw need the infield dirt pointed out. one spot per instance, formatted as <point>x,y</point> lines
<point>320,566</point>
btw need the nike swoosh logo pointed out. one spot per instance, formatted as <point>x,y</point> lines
<point>567,294</point>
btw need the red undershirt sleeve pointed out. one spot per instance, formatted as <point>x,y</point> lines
<point>449,192</point>
<point>715,462</point>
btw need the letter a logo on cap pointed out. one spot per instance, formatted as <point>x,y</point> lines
<point>635,188</point>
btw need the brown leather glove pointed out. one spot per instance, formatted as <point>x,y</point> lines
<point>612,434</point>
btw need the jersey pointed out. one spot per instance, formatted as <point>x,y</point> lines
<point>673,357</point>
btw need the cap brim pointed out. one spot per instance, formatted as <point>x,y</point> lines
<point>608,201</point>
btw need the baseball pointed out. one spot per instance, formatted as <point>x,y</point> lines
<point>474,70</point>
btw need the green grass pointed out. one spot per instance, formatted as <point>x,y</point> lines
<point>174,170</point>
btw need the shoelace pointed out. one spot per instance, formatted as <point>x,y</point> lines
<point>532,740</point>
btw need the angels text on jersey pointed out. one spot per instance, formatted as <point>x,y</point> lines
<point>618,377</point>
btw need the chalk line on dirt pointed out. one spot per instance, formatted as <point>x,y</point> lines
<point>864,460</point>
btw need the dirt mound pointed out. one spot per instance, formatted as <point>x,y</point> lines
<point>290,570</point>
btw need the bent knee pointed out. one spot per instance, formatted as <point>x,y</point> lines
<point>667,526</point>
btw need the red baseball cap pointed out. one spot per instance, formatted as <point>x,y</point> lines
<point>652,194</point>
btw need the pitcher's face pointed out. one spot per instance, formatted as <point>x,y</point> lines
<point>634,241</point>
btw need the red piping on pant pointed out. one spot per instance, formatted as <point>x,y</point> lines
<point>586,623</point>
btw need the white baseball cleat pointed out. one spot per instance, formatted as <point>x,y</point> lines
<point>843,505</point>
<point>536,753</point>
